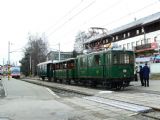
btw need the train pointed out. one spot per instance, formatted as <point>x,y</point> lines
<point>111,69</point>
<point>15,72</point>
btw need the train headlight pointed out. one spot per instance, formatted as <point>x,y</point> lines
<point>124,70</point>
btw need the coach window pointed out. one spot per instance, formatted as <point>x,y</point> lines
<point>89,61</point>
<point>72,65</point>
<point>97,59</point>
<point>64,65</point>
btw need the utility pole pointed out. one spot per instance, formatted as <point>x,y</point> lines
<point>59,52</point>
<point>30,65</point>
<point>3,67</point>
<point>8,60</point>
<point>145,41</point>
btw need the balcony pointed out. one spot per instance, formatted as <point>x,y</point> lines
<point>146,47</point>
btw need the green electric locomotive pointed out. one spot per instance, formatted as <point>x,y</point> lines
<point>112,69</point>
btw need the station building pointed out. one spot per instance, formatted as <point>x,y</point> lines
<point>142,36</point>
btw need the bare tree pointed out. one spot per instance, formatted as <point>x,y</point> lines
<point>81,37</point>
<point>35,52</point>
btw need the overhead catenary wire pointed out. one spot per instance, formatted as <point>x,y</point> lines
<point>63,17</point>
<point>131,13</point>
<point>104,10</point>
<point>101,12</point>
<point>114,21</point>
<point>125,16</point>
<point>71,18</point>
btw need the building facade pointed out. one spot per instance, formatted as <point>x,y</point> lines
<point>56,55</point>
<point>142,36</point>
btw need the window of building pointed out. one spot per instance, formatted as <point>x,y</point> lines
<point>124,35</point>
<point>142,30</point>
<point>124,46</point>
<point>116,37</point>
<point>137,43</point>
<point>128,45</point>
<point>106,40</point>
<point>142,42</point>
<point>113,38</point>
<point>148,40</point>
<point>128,34</point>
<point>137,31</point>
<point>133,45</point>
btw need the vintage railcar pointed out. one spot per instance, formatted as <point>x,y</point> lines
<point>64,70</point>
<point>45,70</point>
<point>112,69</point>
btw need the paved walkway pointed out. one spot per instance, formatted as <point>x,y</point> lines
<point>2,92</point>
<point>137,94</point>
<point>154,85</point>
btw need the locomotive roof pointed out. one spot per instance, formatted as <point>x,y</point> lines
<point>111,50</point>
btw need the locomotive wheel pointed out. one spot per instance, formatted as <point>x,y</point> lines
<point>119,86</point>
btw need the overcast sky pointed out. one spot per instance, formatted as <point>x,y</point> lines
<point>60,20</point>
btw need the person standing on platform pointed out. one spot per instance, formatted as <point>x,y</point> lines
<point>141,75</point>
<point>146,72</point>
<point>135,73</point>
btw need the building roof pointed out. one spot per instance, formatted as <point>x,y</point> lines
<point>141,22</point>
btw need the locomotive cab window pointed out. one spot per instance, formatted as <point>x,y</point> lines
<point>115,58</point>
<point>82,62</point>
<point>125,59</point>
